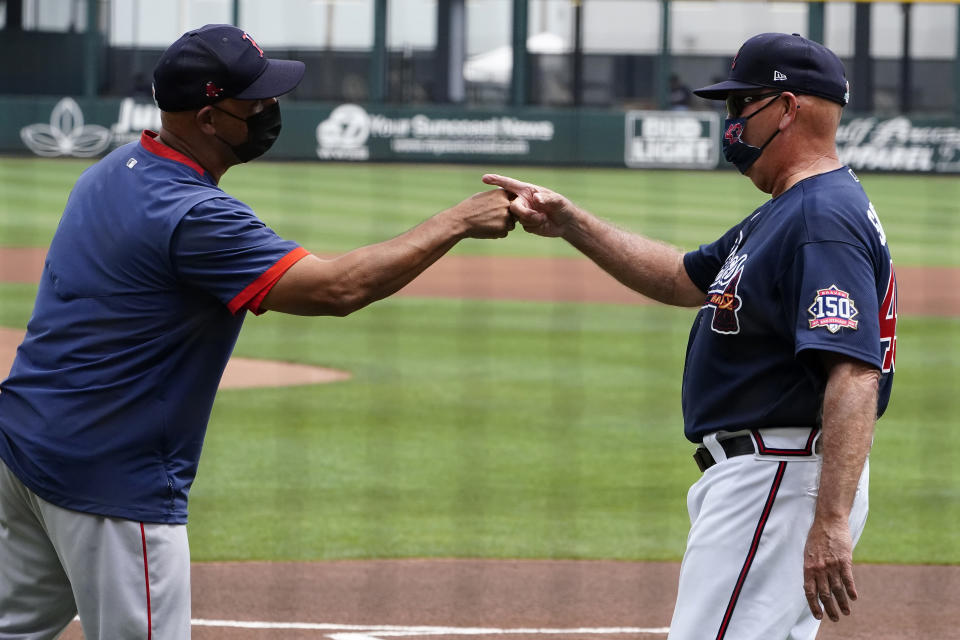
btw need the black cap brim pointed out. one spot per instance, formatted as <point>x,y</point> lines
<point>721,90</point>
<point>278,78</point>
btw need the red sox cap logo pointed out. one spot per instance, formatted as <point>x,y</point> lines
<point>246,36</point>
<point>733,132</point>
<point>212,90</point>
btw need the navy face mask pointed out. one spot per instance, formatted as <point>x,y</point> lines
<point>735,150</point>
<point>263,129</point>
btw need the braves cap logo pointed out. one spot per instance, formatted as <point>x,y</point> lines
<point>733,132</point>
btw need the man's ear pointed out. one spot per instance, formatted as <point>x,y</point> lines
<point>204,119</point>
<point>791,109</point>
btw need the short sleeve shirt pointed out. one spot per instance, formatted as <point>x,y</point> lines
<point>143,293</point>
<point>808,271</point>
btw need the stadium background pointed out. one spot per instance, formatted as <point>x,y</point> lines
<point>493,416</point>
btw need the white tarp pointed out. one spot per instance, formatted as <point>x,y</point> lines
<point>495,66</point>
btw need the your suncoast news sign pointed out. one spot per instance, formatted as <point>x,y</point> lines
<point>351,132</point>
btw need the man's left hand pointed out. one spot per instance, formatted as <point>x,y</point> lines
<point>828,570</point>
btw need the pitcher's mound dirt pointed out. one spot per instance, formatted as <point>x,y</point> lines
<point>241,373</point>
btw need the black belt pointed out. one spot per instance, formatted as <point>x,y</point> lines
<point>736,446</point>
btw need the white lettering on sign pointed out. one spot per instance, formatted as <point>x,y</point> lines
<point>670,139</point>
<point>133,118</point>
<point>683,127</point>
<point>347,133</point>
<point>897,144</point>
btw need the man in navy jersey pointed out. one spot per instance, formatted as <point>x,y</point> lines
<point>145,286</point>
<point>791,355</point>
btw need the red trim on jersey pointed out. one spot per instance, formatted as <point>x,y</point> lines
<point>807,450</point>
<point>148,140</point>
<point>781,468</point>
<point>252,296</point>
<point>146,579</point>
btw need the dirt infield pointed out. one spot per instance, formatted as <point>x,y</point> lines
<point>514,599</point>
<point>923,291</point>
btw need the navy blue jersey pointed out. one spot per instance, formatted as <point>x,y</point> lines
<point>808,271</point>
<point>143,293</point>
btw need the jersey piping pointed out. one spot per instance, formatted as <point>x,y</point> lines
<point>251,297</point>
<point>150,141</point>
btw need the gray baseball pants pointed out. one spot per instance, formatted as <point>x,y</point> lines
<point>127,580</point>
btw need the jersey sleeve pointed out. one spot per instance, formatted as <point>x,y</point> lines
<point>703,264</point>
<point>222,247</point>
<point>831,297</point>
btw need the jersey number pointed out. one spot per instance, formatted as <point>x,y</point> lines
<point>888,324</point>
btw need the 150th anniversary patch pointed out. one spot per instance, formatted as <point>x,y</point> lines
<point>834,309</point>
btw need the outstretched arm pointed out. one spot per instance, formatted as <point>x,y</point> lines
<point>651,268</point>
<point>350,282</point>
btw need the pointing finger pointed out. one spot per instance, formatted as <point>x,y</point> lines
<point>509,184</point>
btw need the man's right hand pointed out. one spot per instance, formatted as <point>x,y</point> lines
<point>539,210</point>
<point>485,215</point>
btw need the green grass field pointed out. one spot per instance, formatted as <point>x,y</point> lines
<point>496,429</point>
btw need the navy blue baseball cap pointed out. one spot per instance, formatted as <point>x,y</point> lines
<point>784,61</point>
<point>219,61</point>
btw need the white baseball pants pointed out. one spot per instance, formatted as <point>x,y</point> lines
<point>127,580</point>
<point>742,572</point>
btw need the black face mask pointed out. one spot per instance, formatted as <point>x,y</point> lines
<point>735,150</point>
<point>263,129</point>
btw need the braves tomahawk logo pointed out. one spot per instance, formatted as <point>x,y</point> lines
<point>733,132</point>
<point>723,295</point>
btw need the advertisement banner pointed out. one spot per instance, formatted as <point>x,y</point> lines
<point>351,132</point>
<point>71,128</point>
<point>319,132</point>
<point>899,144</point>
<point>672,139</point>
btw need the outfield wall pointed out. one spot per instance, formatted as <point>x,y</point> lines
<point>54,127</point>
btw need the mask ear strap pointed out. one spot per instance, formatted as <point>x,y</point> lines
<point>228,113</point>
<point>769,140</point>
<point>228,144</point>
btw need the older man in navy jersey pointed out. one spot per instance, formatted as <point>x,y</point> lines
<point>790,359</point>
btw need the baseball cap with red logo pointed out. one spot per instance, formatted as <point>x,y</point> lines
<point>784,61</point>
<point>219,61</point>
